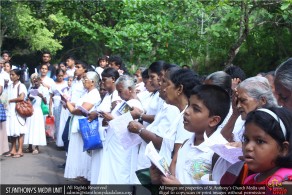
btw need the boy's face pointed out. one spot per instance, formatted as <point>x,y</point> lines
<point>70,63</point>
<point>79,70</point>
<point>114,65</point>
<point>46,58</point>
<point>196,116</point>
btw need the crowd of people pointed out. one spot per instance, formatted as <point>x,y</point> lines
<point>182,113</point>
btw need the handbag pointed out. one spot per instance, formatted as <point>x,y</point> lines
<point>45,108</point>
<point>23,108</point>
<point>90,134</point>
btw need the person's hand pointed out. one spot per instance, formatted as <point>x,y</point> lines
<point>234,99</point>
<point>115,103</point>
<point>234,83</point>
<point>50,113</point>
<point>155,174</point>
<point>169,180</point>
<point>92,115</point>
<point>134,126</point>
<point>104,123</point>
<point>64,99</point>
<point>107,116</point>
<point>40,95</point>
<point>136,112</point>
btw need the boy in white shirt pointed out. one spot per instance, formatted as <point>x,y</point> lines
<point>208,107</point>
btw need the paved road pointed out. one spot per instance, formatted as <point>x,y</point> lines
<point>35,169</point>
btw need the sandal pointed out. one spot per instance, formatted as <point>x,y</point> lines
<point>17,155</point>
<point>9,155</point>
<point>35,151</point>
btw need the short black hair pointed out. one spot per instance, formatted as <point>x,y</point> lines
<point>235,72</point>
<point>71,57</point>
<point>272,127</point>
<point>116,59</point>
<point>103,57</point>
<point>185,77</point>
<point>59,70</point>
<point>215,98</point>
<point>167,66</point>
<point>46,52</point>
<point>83,64</point>
<point>110,72</point>
<point>157,67</point>
<point>145,74</point>
<point>7,52</point>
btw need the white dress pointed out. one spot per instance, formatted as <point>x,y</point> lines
<point>16,123</point>
<point>57,107</point>
<point>64,114</point>
<point>36,134</point>
<point>96,155</point>
<point>78,163</point>
<point>117,164</point>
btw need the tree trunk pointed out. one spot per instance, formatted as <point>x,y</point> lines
<point>242,36</point>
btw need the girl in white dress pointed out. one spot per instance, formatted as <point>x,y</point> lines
<point>17,125</point>
<point>55,105</point>
<point>78,161</point>
<point>64,113</point>
<point>36,126</point>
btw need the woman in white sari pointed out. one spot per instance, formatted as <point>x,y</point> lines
<point>117,163</point>
<point>78,161</point>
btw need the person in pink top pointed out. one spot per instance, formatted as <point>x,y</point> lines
<point>267,147</point>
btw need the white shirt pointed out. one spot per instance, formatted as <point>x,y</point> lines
<point>155,104</point>
<point>1,81</point>
<point>77,90</point>
<point>105,105</point>
<point>57,97</point>
<point>176,133</point>
<point>5,76</point>
<point>193,162</point>
<point>238,129</point>
<point>48,81</point>
<point>70,72</point>
<point>159,126</point>
<point>99,70</point>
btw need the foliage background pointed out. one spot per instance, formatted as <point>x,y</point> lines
<point>207,35</point>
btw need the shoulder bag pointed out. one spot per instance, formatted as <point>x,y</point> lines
<point>23,108</point>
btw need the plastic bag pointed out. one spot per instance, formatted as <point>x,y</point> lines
<point>50,126</point>
<point>45,108</point>
<point>90,134</point>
